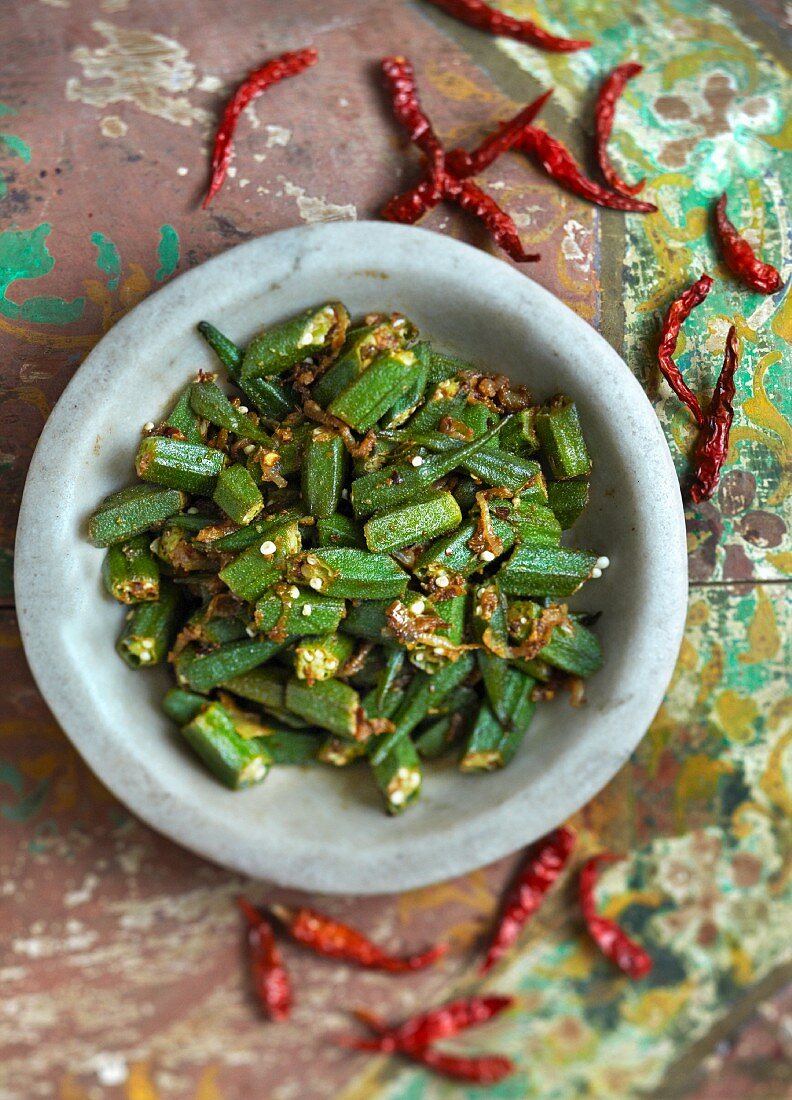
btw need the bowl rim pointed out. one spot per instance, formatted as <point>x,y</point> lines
<point>35,581</point>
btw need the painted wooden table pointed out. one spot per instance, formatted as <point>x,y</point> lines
<point>121,955</point>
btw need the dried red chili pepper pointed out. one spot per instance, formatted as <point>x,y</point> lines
<point>545,862</point>
<point>484,1069</point>
<point>462,164</point>
<point>740,258</point>
<point>269,973</point>
<point>409,206</point>
<point>713,445</point>
<point>604,111</point>
<point>559,163</point>
<point>678,312</point>
<point>439,1023</point>
<point>484,18</point>
<point>288,64</point>
<point>336,940</point>
<point>612,940</point>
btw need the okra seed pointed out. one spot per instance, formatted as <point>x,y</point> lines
<point>193,511</point>
<point>315,583</point>
<point>602,563</point>
<point>294,592</point>
<point>397,797</point>
<point>596,573</point>
<point>311,560</point>
<point>251,631</point>
<point>129,615</point>
<point>487,555</point>
<point>442,581</point>
<point>448,552</point>
<point>147,643</point>
<point>249,448</point>
<point>242,408</point>
<point>145,657</point>
<point>438,651</point>
<point>148,426</point>
<point>309,655</point>
<point>268,548</point>
<point>416,460</point>
<point>307,609</point>
<point>418,607</point>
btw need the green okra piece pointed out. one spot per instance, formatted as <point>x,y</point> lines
<point>489,618</point>
<point>182,706</point>
<point>330,704</point>
<point>438,737</point>
<point>193,521</point>
<point>409,524</point>
<point>286,610</point>
<point>431,655</point>
<point>366,619</point>
<point>535,524</point>
<point>374,707</point>
<point>290,445</point>
<point>351,574</point>
<point>519,436</point>
<point>561,437</point>
<point>258,567</point>
<point>131,511</point>
<point>292,747</point>
<point>150,629</point>
<point>509,690</point>
<point>220,631</point>
<point>398,776</point>
<point>341,753</point>
<point>463,700</point>
<point>443,366</point>
<point>233,760</point>
<point>318,329</point>
<point>452,553</point>
<point>465,492</point>
<point>361,347</point>
<point>495,467</point>
<point>387,678</point>
<point>130,571</point>
<point>339,530</point>
<point>265,686</point>
<point>488,745</point>
<point>321,657</point>
<point>237,494</point>
<point>323,469</point>
<point>209,402</point>
<point>574,649</point>
<point>265,528</point>
<point>391,375</point>
<point>271,398</point>
<point>568,499</point>
<point>183,418</point>
<point>191,467</point>
<point>210,670</point>
<point>181,553</point>
<point>546,571</point>
<point>405,405</point>
<point>423,692</point>
<point>396,485</point>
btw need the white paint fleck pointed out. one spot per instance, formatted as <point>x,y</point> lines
<point>111,1069</point>
<point>576,245</point>
<point>343,101</point>
<point>231,173</point>
<point>259,157</point>
<point>182,171</point>
<point>83,893</point>
<point>56,3</point>
<point>112,126</point>
<point>497,185</point>
<point>112,6</point>
<point>277,135</point>
<point>139,67</point>
<point>315,209</point>
<point>244,183</point>
<point>209,83</point>
<point>42,947</point>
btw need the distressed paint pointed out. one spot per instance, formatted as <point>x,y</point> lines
<point>167,252</point>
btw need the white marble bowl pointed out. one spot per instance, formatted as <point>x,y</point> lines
<point>320,828</point>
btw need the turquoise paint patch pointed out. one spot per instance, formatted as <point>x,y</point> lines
<point>167,252</point>
<point>28,805</point>
<point>107,258</point>
<point>17,146</point>
<point>24,255</point>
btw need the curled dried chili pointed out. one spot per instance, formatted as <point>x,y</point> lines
<point>558,162</point>
<point>462,163</point>
<point>605,108</point>
<point>612,940</point>
<point>287,64</point>
<point>713,445</point>
<point>339,941</point>
<point>269,974</point>
<point>544,863</point>
<point>485,18</point>
<point>740,258</point>
<point>678,312</point>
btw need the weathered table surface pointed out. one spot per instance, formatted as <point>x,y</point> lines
<point>120,957</point>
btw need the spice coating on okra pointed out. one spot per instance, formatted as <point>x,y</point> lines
<point>350,554</point>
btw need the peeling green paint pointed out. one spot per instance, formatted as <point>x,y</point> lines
<point>13,146</point>
<point>107,258</point>
<point>24,255</point>
<point>167,252</point>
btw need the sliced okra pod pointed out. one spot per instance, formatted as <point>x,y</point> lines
<point>150,629</point>
<point>574,649</point>
<point>330,704</point>
<point>406,404</point>
<point>317,330</point>
<point>267,688</point>
<point>351,574</point>
<point>293,747</point>
<point>386,681</point>
<point>130,571</point>
<point>561,437</point>
<point>340,752</point>
<point>361,347</point>
<point>339,530</point>
<point>319,658</point>
<point>391,375</point>
<point>442,366</point>
<point>495,467</point>
<point>324,466</point>
<point>229,354</point>
<point>489,745</point>
<point>263,529</point>
<point>235,761</point>
<point>439,737</point>
<point>193,521</point>
<point>210,670</point>
<point>367,619</point>
<point>177,464</point>
<point>209,402</point>
<point>269,396</point>
<point>546,571</point>
<point>131,511</point>
<point>568,499</point>
<point>408,524</point>
<point>519,436</point>
<point>254,570</point>
<point>535,525</point>
<point>182,706</point>
<point>398,776</point>
<point>183,418</point>
<point>287,610</point>
<point>237,494</point>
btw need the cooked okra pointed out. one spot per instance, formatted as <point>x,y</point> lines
<point>352,552</point>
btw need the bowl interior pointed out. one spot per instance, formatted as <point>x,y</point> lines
<point>324,828</point>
